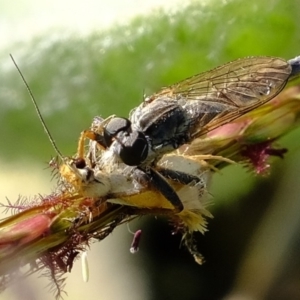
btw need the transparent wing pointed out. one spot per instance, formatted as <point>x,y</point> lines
<point>229,91</point>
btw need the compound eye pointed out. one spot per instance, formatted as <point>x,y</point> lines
<point>80,163</point>
<point>113,127</point>
<point>134,149</point>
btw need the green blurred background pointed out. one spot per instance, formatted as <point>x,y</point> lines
<point>252,247</point>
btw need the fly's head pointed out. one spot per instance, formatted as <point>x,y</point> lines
<point>131,146</point>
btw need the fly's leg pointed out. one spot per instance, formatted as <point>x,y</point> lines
<point>91,135</point>
<point>184,179</point>
<point>161,184</point>
<point>181,177</point>
<point>94,134</point>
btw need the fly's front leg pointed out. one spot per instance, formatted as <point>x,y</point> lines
<point>161,184</point>
<point>91,135</point>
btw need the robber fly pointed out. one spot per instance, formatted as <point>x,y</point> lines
<point>182,112</point>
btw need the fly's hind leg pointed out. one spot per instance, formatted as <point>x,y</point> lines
<point>185,179</point>
<point>161,184</point>
<point>181,177</point>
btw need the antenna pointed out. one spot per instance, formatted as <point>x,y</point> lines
<point>38,111</point>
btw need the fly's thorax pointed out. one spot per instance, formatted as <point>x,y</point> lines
<point>153,113</point>
<point>164,122</point>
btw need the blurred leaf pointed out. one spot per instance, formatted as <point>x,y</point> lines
<point>75,79</point>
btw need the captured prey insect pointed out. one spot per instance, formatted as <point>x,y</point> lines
<point>183,112</point>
